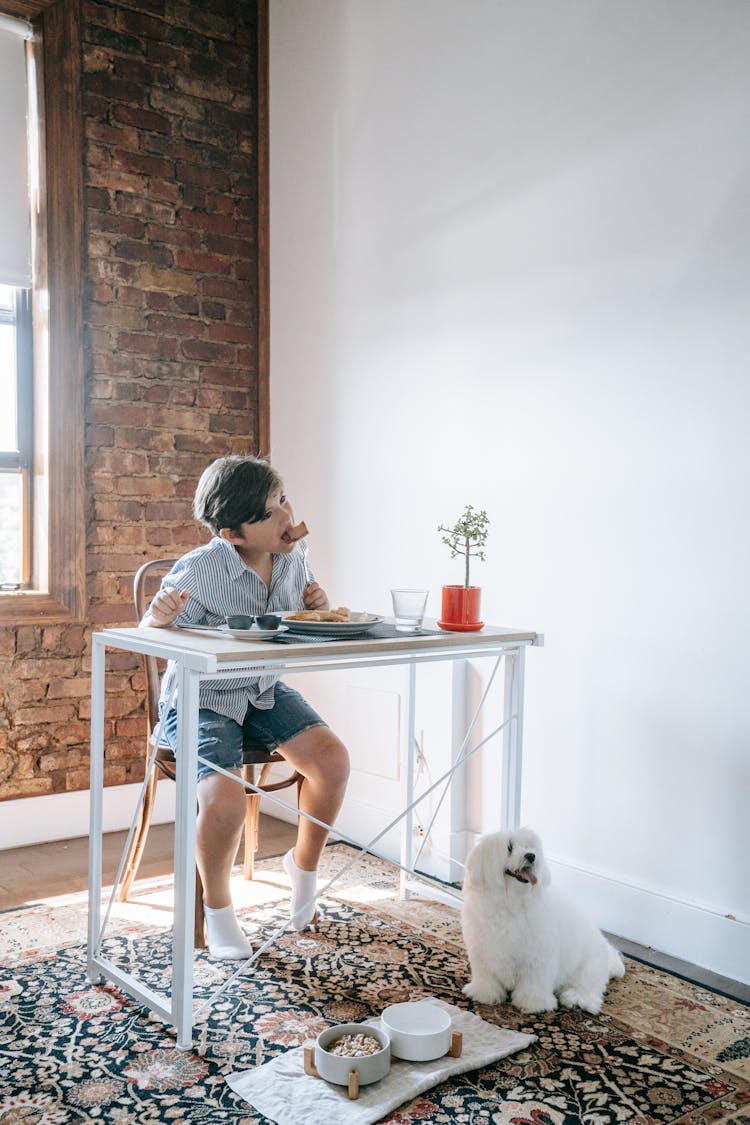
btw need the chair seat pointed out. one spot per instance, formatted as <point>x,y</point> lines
<point>257,754</point>
<point>253,754</point>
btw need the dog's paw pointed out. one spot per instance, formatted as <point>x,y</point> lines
<point>532,1002</point>
<point>587,1001</point>
<point>484,992</point>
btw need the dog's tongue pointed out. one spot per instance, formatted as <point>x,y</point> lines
<point>526,876</point>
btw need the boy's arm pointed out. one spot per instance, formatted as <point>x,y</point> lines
<point>313,595</point>
<point>167,605</point>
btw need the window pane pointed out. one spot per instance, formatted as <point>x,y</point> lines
<point>8,438</point>
<point>10,521</point>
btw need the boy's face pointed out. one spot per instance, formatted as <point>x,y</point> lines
<point>269,535</point>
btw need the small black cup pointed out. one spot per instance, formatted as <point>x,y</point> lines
<point>240,621</point>
<point>268,621</point>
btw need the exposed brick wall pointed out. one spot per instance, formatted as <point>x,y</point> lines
<point>171,345</point>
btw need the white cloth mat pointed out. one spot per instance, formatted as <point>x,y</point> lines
<point>281,1090</point>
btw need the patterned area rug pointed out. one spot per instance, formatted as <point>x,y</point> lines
<point>663,1051</point>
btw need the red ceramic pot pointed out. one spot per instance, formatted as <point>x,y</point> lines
<point>460,609</point>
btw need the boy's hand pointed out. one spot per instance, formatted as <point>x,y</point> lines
<point>167,605</point>
<point>315,597</point>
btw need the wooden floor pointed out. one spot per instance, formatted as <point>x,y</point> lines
<point>42,871</point>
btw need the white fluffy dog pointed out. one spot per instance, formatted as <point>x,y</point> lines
<point>526,940</point>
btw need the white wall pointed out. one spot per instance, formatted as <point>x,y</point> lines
<point>65,816</point>
<point>510,245</point>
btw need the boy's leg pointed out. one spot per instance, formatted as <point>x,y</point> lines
<point>323,761</point>
<point>221,816</point>
<point>299,734</point>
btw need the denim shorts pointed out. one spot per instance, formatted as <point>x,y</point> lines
<point>220,739</point>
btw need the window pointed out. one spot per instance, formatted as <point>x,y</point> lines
<point>16,436</point>
<point>42,473</point>
<point>16,423</point>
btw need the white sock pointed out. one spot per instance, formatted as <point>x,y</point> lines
<point>304,884</point>
<point>226,941</point>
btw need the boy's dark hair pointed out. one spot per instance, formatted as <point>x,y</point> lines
<point>234,490</point>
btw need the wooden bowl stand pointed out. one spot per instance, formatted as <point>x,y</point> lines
<point>455,1051</point>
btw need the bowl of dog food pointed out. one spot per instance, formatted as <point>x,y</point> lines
<point>418,1030</point>
<point>356,1047</point>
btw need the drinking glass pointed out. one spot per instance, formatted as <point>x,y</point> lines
<point>408,609</point>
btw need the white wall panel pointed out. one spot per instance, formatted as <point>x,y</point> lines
<point>510,247</point>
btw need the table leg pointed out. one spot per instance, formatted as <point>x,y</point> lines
<point>184,855</point>
<point>407,824</point>
<point>458,788</point>
<point>96,789</point>
<point>513,703</point>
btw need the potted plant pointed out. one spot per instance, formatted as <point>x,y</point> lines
<point>461,604</point>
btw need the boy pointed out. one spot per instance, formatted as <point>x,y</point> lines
<point>252,565</point>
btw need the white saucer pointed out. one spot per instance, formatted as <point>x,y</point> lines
<point>252,634</point>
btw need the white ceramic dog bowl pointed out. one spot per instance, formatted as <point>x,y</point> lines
<point>418,1031</point>
<point>336,1068</point>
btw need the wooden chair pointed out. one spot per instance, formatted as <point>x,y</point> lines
<point>255,757</point>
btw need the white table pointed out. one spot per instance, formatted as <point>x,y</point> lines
<point>201,655</point>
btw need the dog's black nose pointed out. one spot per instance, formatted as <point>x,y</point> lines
<point>530,857</point>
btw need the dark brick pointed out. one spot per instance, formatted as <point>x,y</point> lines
<point>142,118</point>
<point>115,40</point>
<point>152,253</point>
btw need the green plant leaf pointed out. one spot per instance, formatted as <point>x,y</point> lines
<point>467,536</point>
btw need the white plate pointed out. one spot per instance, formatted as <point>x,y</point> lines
<point>333,628</point>
<point>252,634</point>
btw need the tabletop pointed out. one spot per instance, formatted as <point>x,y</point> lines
<point>210,649</point>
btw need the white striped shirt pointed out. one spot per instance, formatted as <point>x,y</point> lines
<point>219,584</point>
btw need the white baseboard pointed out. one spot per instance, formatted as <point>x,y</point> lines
<point>65,816</point>
<point>686,930</point>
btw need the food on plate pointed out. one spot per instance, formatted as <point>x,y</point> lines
<point>340,614</point>
<point>316,615</point>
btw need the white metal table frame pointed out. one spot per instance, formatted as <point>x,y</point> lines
<point>202,655</point>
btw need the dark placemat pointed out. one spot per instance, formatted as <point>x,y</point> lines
<point>385,630</point>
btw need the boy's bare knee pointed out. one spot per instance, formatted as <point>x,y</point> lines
<point>319,754</point>
<point>340,765</point>
<point>334,757</point>
<point>222,800</point>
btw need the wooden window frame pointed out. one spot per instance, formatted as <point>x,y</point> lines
<point>58,565</point>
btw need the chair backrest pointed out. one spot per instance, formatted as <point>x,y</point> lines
<point>144,587</point>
